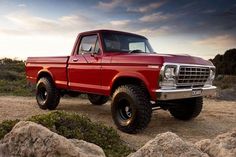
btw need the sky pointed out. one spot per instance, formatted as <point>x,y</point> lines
<point>201,28</point>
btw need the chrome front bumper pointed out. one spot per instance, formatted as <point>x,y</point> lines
<point>172,94</point>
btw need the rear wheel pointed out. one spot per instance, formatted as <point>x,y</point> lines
<point>97,99</point>
<point>187,109</point>
<point>47,95</point>
<point>131,109</point>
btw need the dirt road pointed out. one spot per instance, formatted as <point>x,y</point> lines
<point>217,117</point>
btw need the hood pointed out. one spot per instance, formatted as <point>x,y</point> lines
<point>185,59</point>
<point>159,59</point>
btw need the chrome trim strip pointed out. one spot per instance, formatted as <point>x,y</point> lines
<point>195,65</point>
<point>154,66</point>
<point>168,94</point>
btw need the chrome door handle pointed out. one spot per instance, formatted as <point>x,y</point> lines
<point>75,60</point>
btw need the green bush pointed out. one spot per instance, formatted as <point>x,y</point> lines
<point>225,81</point>
<point>72,125</point>
<point>6,127</point>
<point>18,87</point>
<point>10,75</point>
<point>13,79</point>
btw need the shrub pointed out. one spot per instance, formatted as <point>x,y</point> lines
<point>6,127</point>
<point>225,81</point>
<point>10,75</point>
<point>72,125</point>
<point>12,78</point>
<point>18,87</point>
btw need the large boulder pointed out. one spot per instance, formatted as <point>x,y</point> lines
<point>31,139</point>
<point>168,145</point>
<point>223,145</point>
<point>202,145</point>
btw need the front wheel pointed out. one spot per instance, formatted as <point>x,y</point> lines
<point>187,109</point>
<point>131,109</point>
<point>47,95</point>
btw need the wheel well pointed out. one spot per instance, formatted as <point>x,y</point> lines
<point>129,80</point>
<point>44,74</point>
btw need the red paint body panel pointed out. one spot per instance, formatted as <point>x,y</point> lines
<point>97,74</point>
<point>185,59</point>
<point>85,74</point>
<point>55,66</point>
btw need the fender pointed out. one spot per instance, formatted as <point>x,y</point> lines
<point>44,70</point>
<point>134,75</point>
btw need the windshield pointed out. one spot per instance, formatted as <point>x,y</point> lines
<point>125,43</point>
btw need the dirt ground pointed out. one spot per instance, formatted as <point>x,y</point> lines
<point>217,117</point>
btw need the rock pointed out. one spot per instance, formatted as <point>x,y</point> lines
<point>31,139</point>
<point>202,145</point>
<point>168,145</point>
<point>223,145</point>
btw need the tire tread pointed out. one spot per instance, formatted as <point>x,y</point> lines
<point>144,110</point>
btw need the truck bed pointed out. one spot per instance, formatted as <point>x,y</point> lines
<point>55,66</point>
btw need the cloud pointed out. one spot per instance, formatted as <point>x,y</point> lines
<point>128,5</point>
<point>155,17</point>
<point>10,31</point>
<point>148,8</point>
<point>183,21</point>
<point>26,23</point>
<point>109,5</point>
<point>220,41</point>
<point>120,22</point>
<point>21,5</point>
<point>154,32</point>
<point>209,11</point>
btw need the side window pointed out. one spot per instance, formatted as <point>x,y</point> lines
<point>87,44</point>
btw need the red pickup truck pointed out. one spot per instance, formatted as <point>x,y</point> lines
<point>123,66</point>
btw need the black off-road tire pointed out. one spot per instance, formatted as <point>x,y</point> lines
<point>139,107</point>
<point>187,109</point>
<point>47,95</point>
<point>97,99</point>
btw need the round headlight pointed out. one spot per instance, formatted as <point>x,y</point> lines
<point>169,72</point>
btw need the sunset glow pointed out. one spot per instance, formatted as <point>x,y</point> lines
<point>47,28</point>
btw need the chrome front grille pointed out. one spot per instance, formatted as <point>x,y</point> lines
<point>192,76</point>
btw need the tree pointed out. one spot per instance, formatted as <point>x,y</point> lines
<point>226,63</point>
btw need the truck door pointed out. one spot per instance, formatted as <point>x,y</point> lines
<point>84,67</point>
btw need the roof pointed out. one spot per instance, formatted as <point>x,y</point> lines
<point>107,30</point>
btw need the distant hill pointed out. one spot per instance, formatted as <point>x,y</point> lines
<point>226,63</point>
